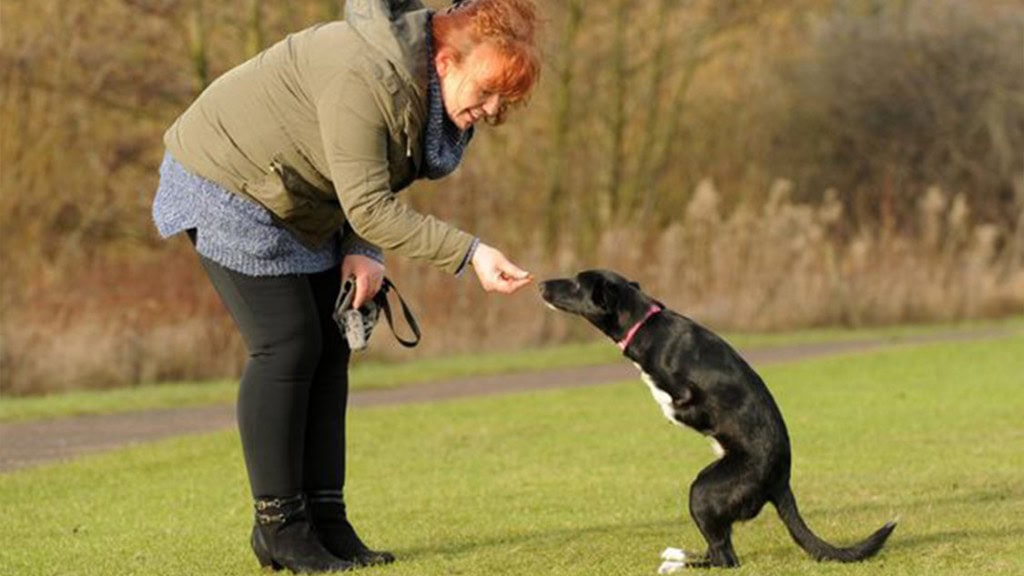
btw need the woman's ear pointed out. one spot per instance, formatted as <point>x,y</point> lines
<point>445,59</point>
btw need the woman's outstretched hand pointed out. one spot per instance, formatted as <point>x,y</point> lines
<point>496,273</point>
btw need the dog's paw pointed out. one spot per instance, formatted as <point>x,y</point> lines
<point>673,555</point>
<point>668,567</point>
<point>674,561</point>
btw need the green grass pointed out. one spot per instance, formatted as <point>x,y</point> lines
<point>368,375</point>
<point>582,481</point>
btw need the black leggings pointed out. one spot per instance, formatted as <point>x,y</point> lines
<point>294,392</point>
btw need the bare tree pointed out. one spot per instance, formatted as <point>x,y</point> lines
<point>640,189</point>
<point>197,44</point>
<point>255,39</point>
<point>655,53</point>
<point>332,9</point>
<point>617,117</point>
<point>561,122</point>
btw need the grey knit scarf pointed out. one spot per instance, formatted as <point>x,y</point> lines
<point>443,142</point>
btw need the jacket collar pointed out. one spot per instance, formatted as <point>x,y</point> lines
<point>398,29</point>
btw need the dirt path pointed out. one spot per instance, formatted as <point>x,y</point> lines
<point>32,443</point>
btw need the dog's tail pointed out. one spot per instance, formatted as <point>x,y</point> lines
<point>818,548</point>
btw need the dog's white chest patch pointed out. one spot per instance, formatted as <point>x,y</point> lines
<point>717,448</point>
<point>664,399</point>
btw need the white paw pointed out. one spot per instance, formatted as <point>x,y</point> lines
<point>668,567</point>
<point>673,554</point>
<point>674,561</point>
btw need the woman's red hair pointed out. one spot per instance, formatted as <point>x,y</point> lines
<point>508,27</point>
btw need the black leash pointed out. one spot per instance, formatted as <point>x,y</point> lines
<point>357,325</point>
<point>382,296</point>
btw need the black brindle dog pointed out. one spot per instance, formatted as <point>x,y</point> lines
<point>700,381</point>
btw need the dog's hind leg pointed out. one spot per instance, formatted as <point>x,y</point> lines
<point>718,534</point>
<point>719,497</point>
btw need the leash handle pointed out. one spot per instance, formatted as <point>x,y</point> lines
<point>382,301</point>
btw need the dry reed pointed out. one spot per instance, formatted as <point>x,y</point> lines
<point>778,266</point>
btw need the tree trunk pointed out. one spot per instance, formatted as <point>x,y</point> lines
<point>640,189</point>
<point>617,117</point>
<point>558,159</point>
<point>255,40</point>
<point>332,9</point>
<point>197,46</point>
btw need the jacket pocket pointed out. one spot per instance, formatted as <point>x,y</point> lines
<point>307,211</point>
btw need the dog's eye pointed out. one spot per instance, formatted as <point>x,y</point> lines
<point>604,296</point>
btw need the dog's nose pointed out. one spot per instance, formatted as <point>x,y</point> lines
<point>547,290</point>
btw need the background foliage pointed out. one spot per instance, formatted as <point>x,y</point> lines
<point>763,164</point>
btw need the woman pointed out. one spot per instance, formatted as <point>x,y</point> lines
<point>283,173</point>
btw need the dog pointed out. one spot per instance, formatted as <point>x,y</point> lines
<point>699,381</point>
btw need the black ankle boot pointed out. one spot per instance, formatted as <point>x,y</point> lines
<point>327,511</point>
<point>283,537</point>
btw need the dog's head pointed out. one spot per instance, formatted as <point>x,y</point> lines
<point>610,302</point>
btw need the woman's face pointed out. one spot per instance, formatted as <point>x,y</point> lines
<point>464,85</point>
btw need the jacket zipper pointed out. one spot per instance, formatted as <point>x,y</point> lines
<point>407,118</point>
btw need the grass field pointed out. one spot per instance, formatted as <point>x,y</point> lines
<point>370,375</point>
<point>582,482</point>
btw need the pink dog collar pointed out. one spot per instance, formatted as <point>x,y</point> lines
<point>654,309</point>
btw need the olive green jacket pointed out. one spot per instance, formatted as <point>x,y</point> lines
<point>323,128</point>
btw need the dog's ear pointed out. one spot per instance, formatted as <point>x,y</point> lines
<point>635,285</point>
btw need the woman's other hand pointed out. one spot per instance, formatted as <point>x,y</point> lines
<point>496,273</point>
<point>368,274</point>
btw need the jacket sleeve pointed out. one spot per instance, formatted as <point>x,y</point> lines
<point>351,243</point>
<point>355,138</point>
